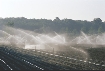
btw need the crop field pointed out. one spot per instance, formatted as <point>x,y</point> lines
<point>22,59</point>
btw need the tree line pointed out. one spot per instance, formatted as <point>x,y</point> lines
<point>69,26</point>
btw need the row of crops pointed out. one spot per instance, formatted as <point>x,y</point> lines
<point>19,58</point>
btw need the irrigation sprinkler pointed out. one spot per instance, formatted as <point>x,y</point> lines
<point>35,48</point>
<point>53,51</point>
<point>24,44</point>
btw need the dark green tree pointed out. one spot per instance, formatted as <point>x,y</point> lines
<point>100,30</point>
<point>83,29</point>
<point>97,20</point>
<point>11,24</point>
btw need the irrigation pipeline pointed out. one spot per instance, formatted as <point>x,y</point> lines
<point>6,65</point>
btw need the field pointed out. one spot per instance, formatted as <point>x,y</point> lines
<point>13,58</point>
<point>26,50</point>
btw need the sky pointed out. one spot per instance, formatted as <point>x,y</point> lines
<point>50,9</point>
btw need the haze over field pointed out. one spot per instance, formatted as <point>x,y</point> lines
<point>31,40</point>
<point>9,35</point>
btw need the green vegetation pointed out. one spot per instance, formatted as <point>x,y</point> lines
<point>60,26</point>
<point>97,53</point>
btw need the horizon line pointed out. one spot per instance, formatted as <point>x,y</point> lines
<point>47,18</point>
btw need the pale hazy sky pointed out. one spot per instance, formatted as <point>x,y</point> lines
<point>49,9</point>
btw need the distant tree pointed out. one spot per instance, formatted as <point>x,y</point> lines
<point>83,29</point>
<point>10,24</point>
<point>57,25</point>
<point>92,30</point>
<point>74,32</point>
<point>97,20</point>
<point>100,30</point>
<point>56,19</point>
